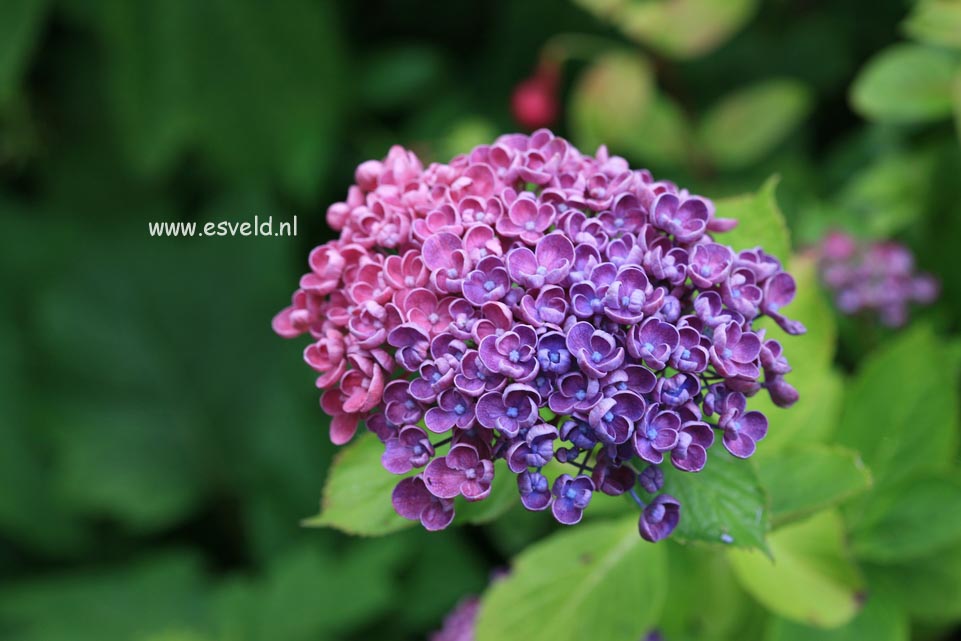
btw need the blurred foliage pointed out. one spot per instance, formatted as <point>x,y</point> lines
<point>160,447</point>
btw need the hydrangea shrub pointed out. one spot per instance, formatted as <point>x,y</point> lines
<point>556,310</point>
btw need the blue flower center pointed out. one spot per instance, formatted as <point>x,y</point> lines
<point>529,225</point>
<point>686,353</point>
<point>435,377</point>
<point>570,494</point>
<point>433,318</point>
<point>541,270</point>
<point>625,301</point>
<point>609,417</point>
<point>451,273</point>
<point>651,433</point>
<point>705,271</point>
<point>736,292</point>
<point>409,404</point>
<point>727,352</point>
<point>618,222</point>
<point>555,357</point>
<point>514,356</point>
<point>511,412</point>
<point>418,449</point>
<point>580,394</point>
<point>470,474</point>
<point>459,409</point>
<point>596,357</point>
<point>488,285</point>
<point>648,347</point>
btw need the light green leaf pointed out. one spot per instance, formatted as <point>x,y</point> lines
<point>929,588</point>
<point>722,503</point>
<point>594,581</point>
<point>881,619</point>
<point>914,519</point>
<point>745,125</point>
<point>811,579</point>
<point>760,221</point>
<point>356,496</point>
<point>20,22</point>
<point>816,413</point>
<point>664,135</point>
<point>610,100</point>
<point>810,477</point>
<point>905,83</point>
<point>892,401</point>
<point>936,22</point>
<point>706,23</point>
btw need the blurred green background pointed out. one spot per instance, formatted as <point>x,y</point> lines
<point>159,445</point>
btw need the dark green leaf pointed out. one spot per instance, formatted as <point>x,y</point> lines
<point>722,503</point>
<point>598,580</point>
<point>20,22</point>
<point>928,588</point>
<point>912,520</point>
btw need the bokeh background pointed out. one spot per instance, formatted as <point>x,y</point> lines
<point>159,446</point>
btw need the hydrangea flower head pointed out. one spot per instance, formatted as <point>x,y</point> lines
<point>557,310</point>
<point>873,278</point>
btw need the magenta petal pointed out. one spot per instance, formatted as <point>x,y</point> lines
<point>443,481</point>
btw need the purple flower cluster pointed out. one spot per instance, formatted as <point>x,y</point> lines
<point>874,278</point>
<point>561,312</point>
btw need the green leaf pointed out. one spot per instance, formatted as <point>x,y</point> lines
<point>929,588</point>
<point>20,22</point>
<point>760,221</point>
<point>705,600</point>
<point>184,75</point>
<point>610,100</point>
<point>707,23</point>
<point>905,83</point>
<point>400,76</point>
<point>356,497</point>
<point>811,578</point>
<point>750,122</point>
<point>723,502</point>
<point>309,592</point>
<point>597,581</point>
<point>881,619</point>
<point>810,477</point>
<point>956,97</point>
<point>892,400</point>
<point>811,355</point>
<point>909,521</point>
<point>936,22</point>
<point>889,195</point>
<point>664,135</point>
<point>144,597</point>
